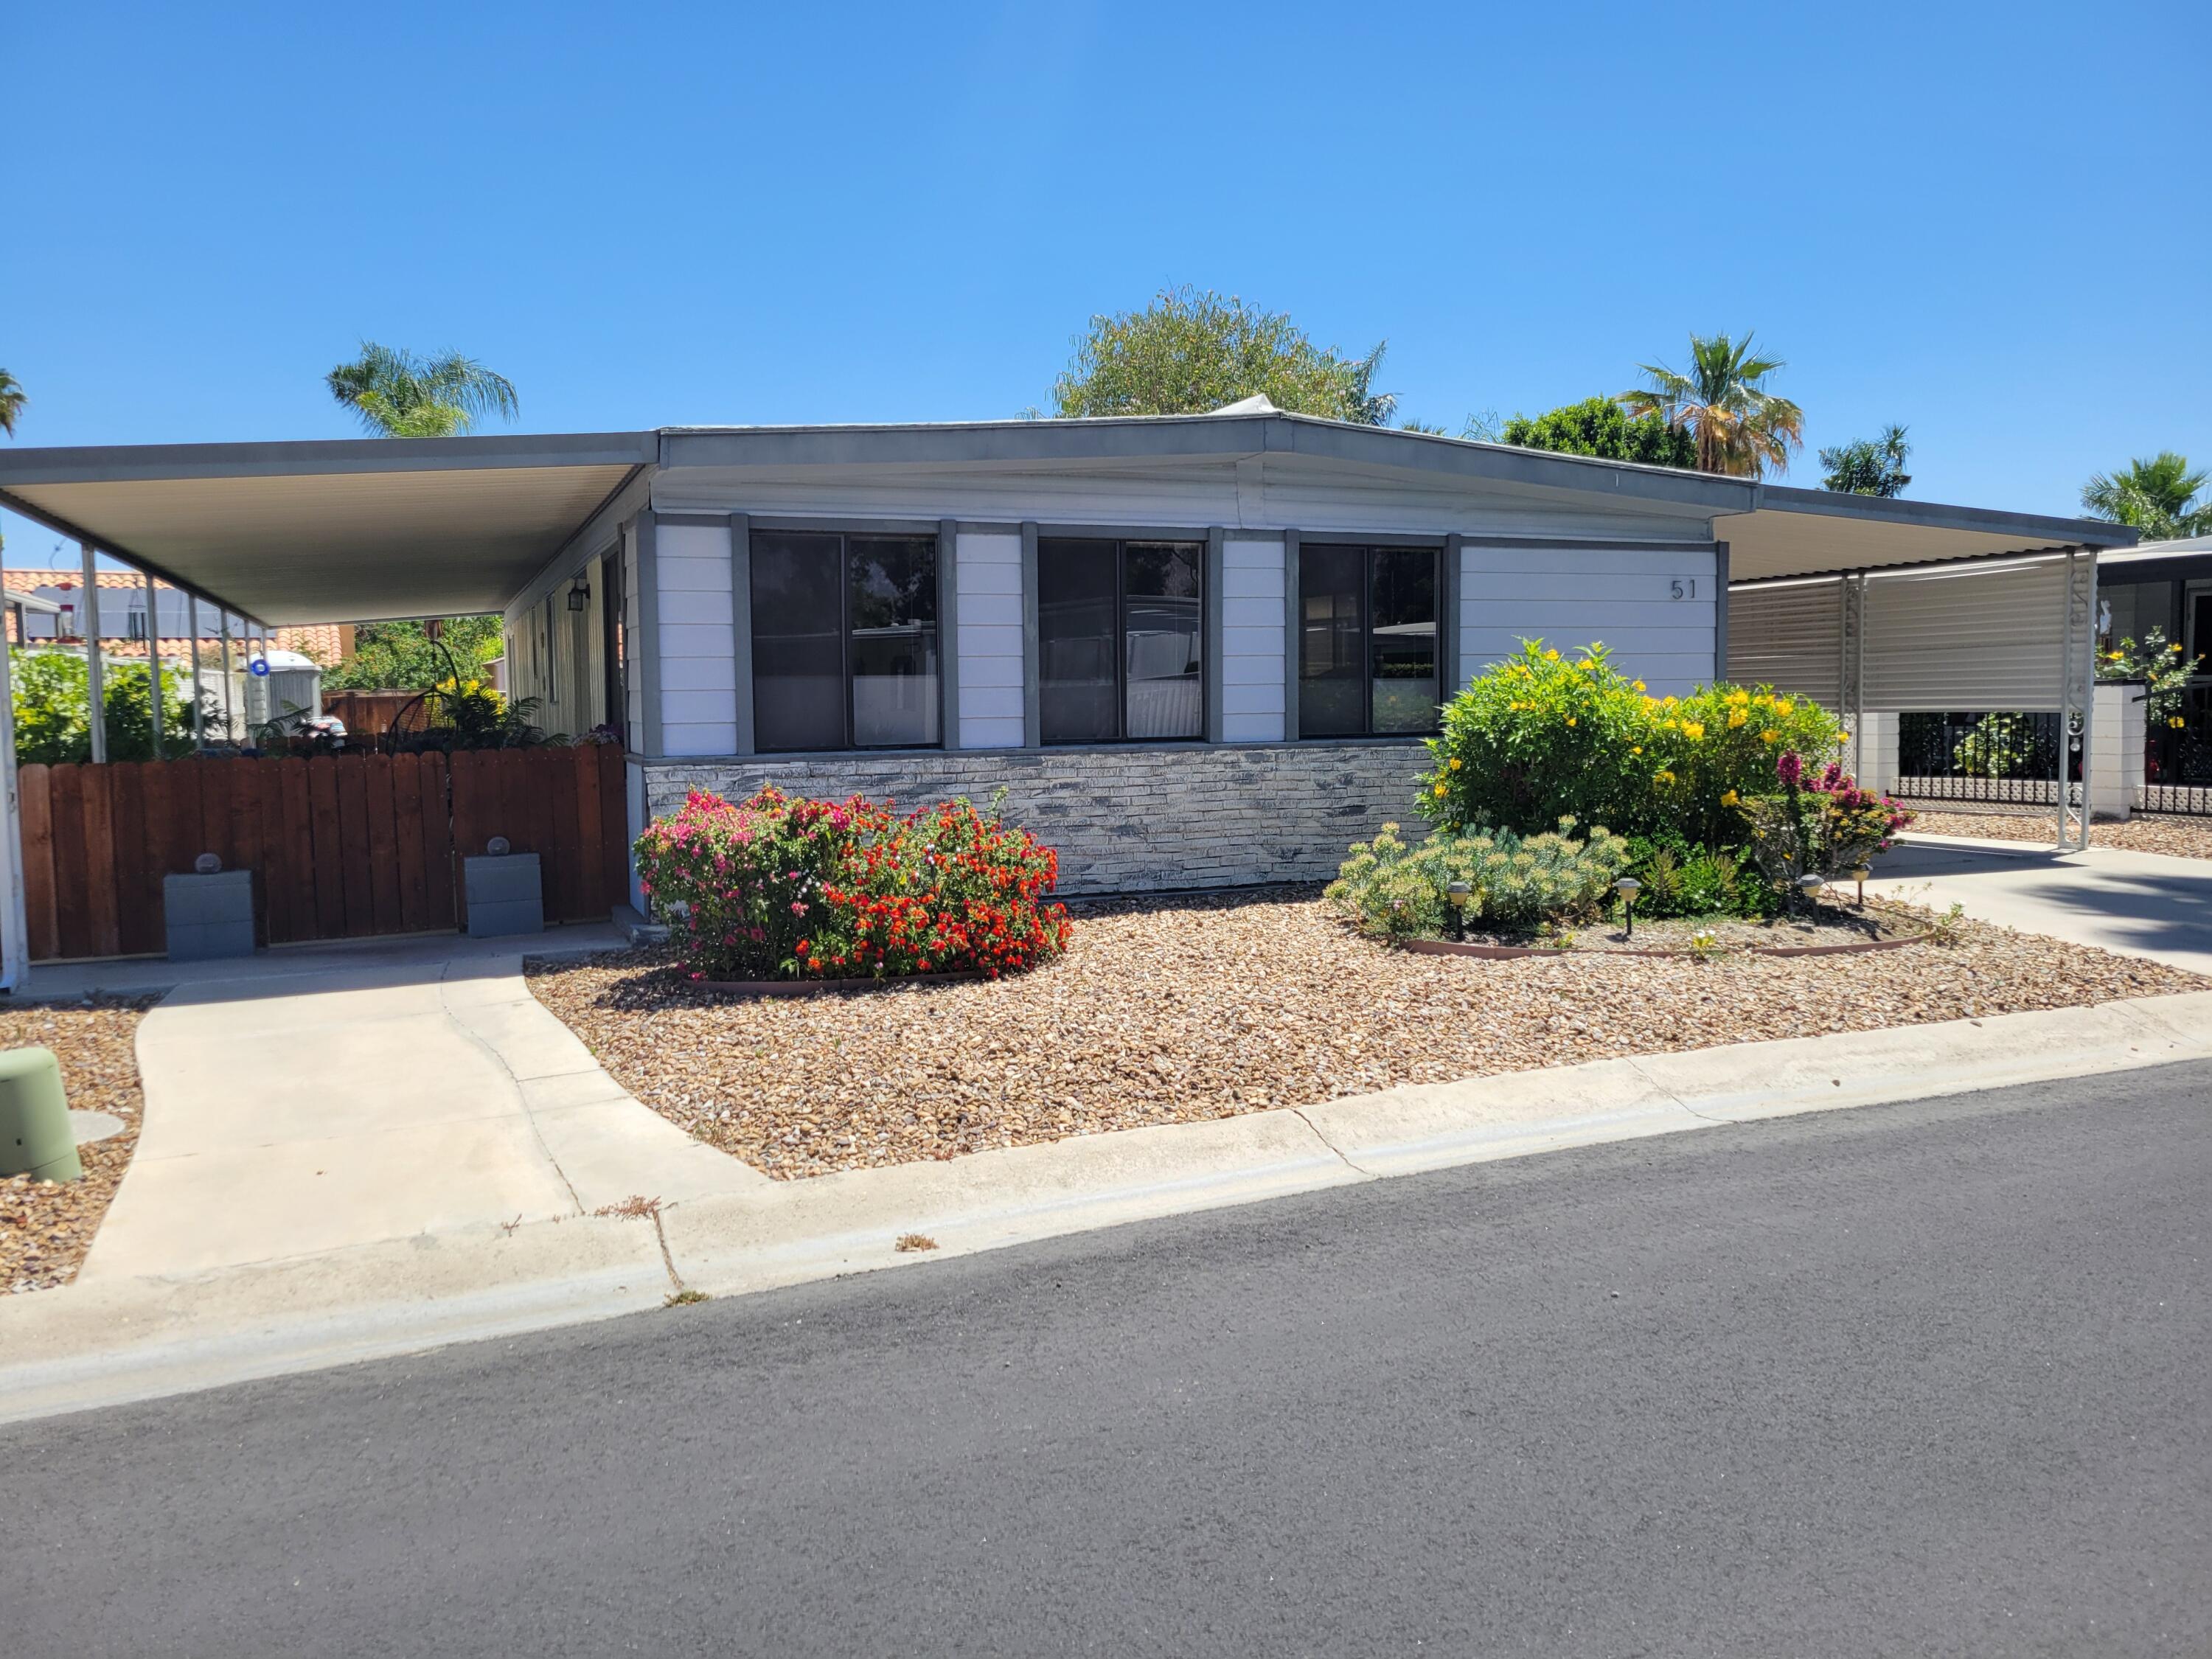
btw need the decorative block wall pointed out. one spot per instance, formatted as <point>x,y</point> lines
<point>1146,818</point>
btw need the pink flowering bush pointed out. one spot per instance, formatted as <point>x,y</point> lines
<point>1821,823</point>
<point>782,887</point>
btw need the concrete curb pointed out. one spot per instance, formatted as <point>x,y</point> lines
<point>133,1339</point>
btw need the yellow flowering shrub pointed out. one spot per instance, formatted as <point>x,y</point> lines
<point>1541,736</point>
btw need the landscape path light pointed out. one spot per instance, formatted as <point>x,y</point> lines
<point>1810,886</point>
<point>1459,892</point>
<point>1860,876</point>
<point>1628,887</point>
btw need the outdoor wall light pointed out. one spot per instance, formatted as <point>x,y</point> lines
<point>579,594</point>
<point>1628,887</point>
<point>1459,892</point>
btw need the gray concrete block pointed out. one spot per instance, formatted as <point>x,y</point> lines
<point>224,897</point>
<point>499,917</point>
<point>209,916</point>
<point>504,879</point>
<point>203,941</point>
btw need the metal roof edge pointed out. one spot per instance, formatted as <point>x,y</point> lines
<point>1938,515</point>
<point>278,458</point>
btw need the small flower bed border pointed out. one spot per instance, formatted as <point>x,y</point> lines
<point>807,987</point>
<point>1446,947</point>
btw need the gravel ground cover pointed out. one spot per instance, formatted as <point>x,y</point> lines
<point>45,1227</point>
<point>1166,1011</point>
<point>2175,837</point>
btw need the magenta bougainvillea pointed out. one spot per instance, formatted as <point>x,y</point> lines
<point>782,887</point>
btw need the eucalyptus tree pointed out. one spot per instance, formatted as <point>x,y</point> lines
<point>1739,426</point>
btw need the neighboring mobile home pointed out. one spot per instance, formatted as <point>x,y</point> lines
<point>1191,650</point>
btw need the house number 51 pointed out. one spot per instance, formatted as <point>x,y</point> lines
<point>1684,588</point>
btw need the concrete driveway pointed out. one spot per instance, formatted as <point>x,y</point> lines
<point>299,1103</point>
<point>2138,903</point>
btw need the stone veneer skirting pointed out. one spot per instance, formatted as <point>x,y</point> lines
<point>1143,818</point>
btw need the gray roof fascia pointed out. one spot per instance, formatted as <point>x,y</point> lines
<point>1197,437</point>
<point>128,463</point>
<point>2029,528</point>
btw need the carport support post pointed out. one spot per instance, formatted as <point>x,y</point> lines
<point>223,627</point>
<point>94,681</point>
<point>154,659</point>
<point>192,627</point>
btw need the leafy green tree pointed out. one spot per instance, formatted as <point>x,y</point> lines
<point>400,656</point>
<point>397,394</point>
<point>1739,426</point>
<point>11,402</point>
<point>1871,466</point>
<point>53,709</point>
<point>1189,352</point>
<point>2161,497</point>
<point>1600,427</point>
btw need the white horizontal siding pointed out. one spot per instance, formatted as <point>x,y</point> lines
<point>698,654</point>
<point>1251,605</point>
<point>1571,597</point>
<point>987,634</point>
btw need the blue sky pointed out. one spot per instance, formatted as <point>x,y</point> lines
<point>1985,222</point>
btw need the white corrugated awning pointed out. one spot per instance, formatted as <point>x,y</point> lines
<point>358,529</point>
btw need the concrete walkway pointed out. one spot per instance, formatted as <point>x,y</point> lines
<point>2136,903</point>
<point>120,1335</point>
<point>301,1105</point>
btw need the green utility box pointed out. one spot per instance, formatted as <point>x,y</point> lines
<point>36,1138</point>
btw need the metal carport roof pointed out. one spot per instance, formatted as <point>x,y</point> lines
<point>359,529</point>
<point>349,530</point>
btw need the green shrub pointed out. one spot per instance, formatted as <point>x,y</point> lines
<point>1681,880</point>
<point>1396,890</point>
<point>1543,736</point>
<point>53,710</point>
<point>1999,746</point>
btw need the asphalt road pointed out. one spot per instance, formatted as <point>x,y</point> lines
<point>1926,1379</point>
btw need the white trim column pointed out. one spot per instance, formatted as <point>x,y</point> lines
<point>2112,768</point>
<point>95,679</point>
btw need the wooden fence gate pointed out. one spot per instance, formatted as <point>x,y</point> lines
<point>341,846</point>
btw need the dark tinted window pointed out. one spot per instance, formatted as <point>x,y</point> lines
<point>1367,640</point>
<point>1121,633</point>
<point>1078,609</point>
<point>845,651</point>
<point>1402,640</point>
<point>1332,641</point>
<point>893,595</point>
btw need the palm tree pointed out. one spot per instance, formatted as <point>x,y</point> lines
<point>399,395</point>
<point>1740,427</point>
<point>2157,496</point>
<point>11,402</point>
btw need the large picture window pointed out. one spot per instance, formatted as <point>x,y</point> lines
<point>845,646</point>
<point>1367,640</point>
<point>1119,639</point>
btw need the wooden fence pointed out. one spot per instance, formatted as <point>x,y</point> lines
<point>366,714</point>
<point>341,847</point>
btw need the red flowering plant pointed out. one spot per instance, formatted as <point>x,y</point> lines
<point>781,887</point>
<point>1821,823</point>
